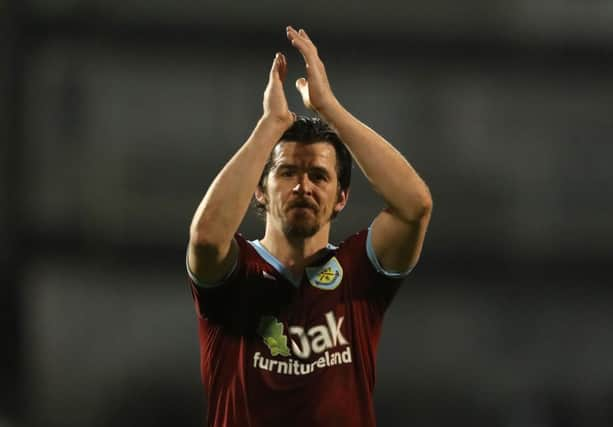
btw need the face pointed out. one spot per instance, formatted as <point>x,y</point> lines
<point>302,190</point>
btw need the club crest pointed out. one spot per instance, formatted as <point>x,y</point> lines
<point>326,277</point>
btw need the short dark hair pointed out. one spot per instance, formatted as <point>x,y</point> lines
<point>310,130</point>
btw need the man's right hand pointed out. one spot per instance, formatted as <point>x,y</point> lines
<point>275,103</point>
<point>212,248</point>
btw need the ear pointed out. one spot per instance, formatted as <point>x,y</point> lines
<point>260,196</point>
<point>343,196</point>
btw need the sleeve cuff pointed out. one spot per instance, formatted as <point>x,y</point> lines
<point>202,284</point>
<point>375,262</point>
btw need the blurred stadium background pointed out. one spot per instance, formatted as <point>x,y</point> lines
<point>116,115</point>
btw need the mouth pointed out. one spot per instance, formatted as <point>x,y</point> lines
<point>302,206</point>
<point>302,209</point>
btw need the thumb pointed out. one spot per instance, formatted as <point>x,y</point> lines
<point>275,65</point>
<point>302,84</point>
<point>303,87</point>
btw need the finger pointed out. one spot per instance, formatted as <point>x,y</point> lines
<point>303,87</point>
<point>291,34</point>
<point>300,34</point>
<point>301,84</point>
<point>278,71</point>
<point>309,55</point>
<point>275,66</point>
<point>282,67</point>
<point>301,41</point>
<point>297,38</point>
<point>304,34</point>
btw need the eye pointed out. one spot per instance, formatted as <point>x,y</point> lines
<point>317,176</point>
<point>286,172</point>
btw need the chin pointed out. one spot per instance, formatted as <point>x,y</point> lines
<point>301,229</point>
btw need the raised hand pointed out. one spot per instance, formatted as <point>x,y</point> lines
<point>274,103</point>
<point>315,89</point>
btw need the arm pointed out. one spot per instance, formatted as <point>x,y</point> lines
<point>398,232</point>
<point>212,250</point>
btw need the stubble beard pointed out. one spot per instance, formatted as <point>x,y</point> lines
<point>300,229</point>
<point>301,226</point>
<point>297,226</point>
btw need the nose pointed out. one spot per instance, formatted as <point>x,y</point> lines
<point>303,186</point>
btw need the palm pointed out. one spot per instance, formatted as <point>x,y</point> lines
<point>315,89</point>
<point>274,103</point>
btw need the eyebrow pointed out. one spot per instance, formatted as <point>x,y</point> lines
<point>319,169</point>
<point>286,166</point>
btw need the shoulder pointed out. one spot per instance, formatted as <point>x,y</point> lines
<point>358,249</point>
<point>351,253</point>
<point>371,284</point>
<point>246,258</point>
<point>354,243</point>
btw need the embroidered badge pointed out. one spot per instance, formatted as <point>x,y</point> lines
<point>326,277</point>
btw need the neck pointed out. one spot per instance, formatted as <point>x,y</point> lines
<point>295,253</point>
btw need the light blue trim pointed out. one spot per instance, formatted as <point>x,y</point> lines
<point>276,264</point>
<point>203,284</point>
<point>375,262</point>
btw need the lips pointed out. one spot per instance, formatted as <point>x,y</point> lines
<point>302,204</point>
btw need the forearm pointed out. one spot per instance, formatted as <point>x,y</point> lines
<point>389,173</point>
<point>226,201</point>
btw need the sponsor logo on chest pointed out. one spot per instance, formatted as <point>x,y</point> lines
<point>317,340</point>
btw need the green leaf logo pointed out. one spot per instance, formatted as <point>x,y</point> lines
<point>271,331</point>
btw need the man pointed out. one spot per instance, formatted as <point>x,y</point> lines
<point>289,324</point>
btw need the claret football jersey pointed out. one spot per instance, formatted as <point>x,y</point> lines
<point>278,350</point>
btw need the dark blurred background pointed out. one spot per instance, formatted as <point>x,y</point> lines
<point>115,116</point>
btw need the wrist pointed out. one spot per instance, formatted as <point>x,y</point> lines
<point>277,119</point>
<point>274,124</point>
<point>330,110</point>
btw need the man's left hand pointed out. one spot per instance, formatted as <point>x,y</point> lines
<point>315,89</point>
